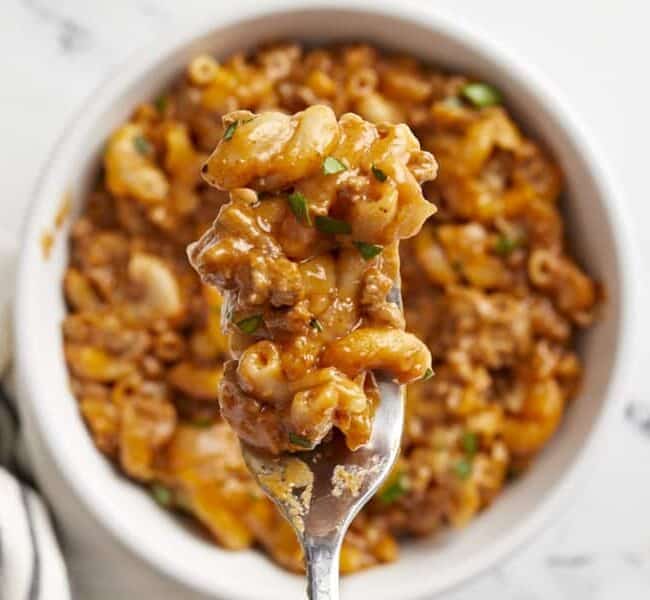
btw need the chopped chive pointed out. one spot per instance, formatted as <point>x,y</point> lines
<point>428,374</point>
<point>298,440</point>
<point>329,225</point>
<point>250,324</point>
<point>142,145</point>
<point>299,207</point>
<point>368,251</point>
<point>463,468</point>
<point>161,103</point>
<point>202,422</point>
<point>332,166</point>
<point>379,174</point>
<point>161,494</point>
<point>315,324</point>
<point>505,245</point>
<point>230,130</point>
<point>395,489</point>
<point>481,94</point>
<point>469,442</point>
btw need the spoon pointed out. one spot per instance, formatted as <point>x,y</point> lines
<point>320,491</point>
<point>319,506</point>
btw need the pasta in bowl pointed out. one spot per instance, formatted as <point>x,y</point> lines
<point>488,285</point>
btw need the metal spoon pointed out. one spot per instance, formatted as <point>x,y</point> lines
<point>320,509</point>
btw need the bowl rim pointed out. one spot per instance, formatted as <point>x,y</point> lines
<point>527,77</point>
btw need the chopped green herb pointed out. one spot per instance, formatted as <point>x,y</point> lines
<point>161,494</point>
<point>332,166</point>
<point>428,374</point>
<point>368,251</point>
<point>142,145</point>
<point>230,130</point>
<point>505,245</point>
<point>298,440</point>
<point>315,324</point>
<point>250,324</point>
<point>379,174</point>
<point>161,103</point>
<point>329,225</point>
<point>469,442</point>
<point>395,489</point>
<point>481,94</point>
<point>463,468</point>
<point>300,207</point>
<point>202,422</point>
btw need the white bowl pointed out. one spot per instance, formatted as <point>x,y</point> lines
<point>595,228</point>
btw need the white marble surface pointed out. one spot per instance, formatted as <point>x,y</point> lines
<point>54,52</point>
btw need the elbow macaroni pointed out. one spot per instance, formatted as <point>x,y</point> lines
<point>335,302</point>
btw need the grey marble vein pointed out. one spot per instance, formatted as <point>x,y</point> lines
<point>570,561</point>
<point>154,10</point>
<point>637,414</point>
<point>71,35</point>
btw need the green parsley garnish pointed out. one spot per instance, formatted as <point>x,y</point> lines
<point>368,251</point>
<point>315,324</point>
<point>329,225</point>
<point>161,494</point>
<point>161,103</point>
<point>250,324</point>
<point>505,245</point>
<point>299,207</point>
<point>481,94</point>
<point>202,422</point>
<point>379,174</point>
<point>463,468</point>
<point>428,374</point>
<point>332,166</point>
<point>230,130</point>
<point>469,442</point>
<point>142,145</point>
<point>298,440</point>
<point>395,489</point>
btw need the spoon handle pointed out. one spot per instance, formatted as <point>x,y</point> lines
<point>322,559</point>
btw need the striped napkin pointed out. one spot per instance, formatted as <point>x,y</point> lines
<point>31,564</point>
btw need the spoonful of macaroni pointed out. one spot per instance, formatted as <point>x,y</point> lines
<point>306,255</point>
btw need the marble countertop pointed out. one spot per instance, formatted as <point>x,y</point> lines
<point>54,52</point>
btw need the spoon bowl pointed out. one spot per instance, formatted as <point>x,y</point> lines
<point>320,491</point>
